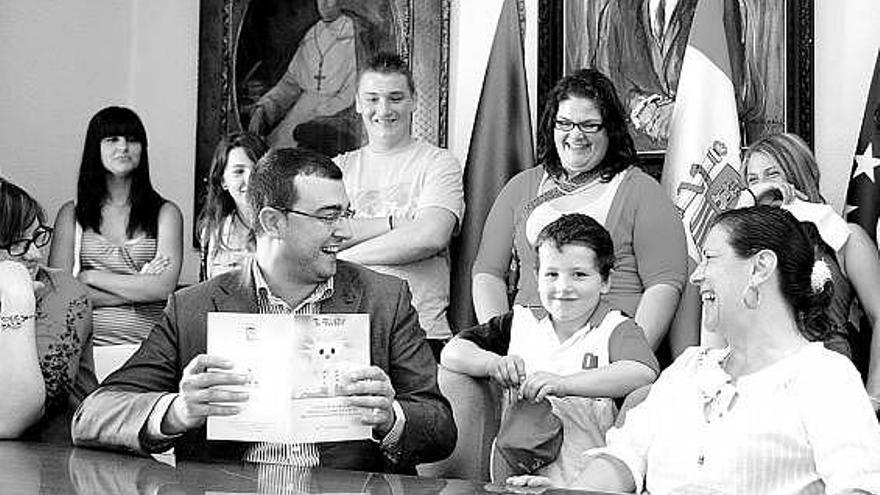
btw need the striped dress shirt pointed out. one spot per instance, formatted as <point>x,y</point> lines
<point>288,454</point>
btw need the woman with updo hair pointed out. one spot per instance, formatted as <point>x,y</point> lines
<point>780,169</point>
<point>773,412</point>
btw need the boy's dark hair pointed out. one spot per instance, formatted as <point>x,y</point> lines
<point>389,63</point>
<point>582,230</point>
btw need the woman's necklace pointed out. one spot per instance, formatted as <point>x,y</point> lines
<point>569,185</point>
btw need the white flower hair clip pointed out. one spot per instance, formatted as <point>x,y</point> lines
<point>820,276</point>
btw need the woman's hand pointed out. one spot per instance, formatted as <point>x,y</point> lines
<point>83,276</point>
<point>509,371</point>
<point>775,193</point>
<point>156,265</point>
<point>16,285</point>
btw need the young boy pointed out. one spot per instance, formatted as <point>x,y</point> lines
<point>575,351</point>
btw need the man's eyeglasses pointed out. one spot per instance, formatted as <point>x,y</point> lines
<point>587,127</point>
<point>42,236</point>
<point>331,219</point>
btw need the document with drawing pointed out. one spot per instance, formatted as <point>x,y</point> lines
<point>295,364</point>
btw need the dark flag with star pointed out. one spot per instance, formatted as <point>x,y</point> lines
<point>863,196</point>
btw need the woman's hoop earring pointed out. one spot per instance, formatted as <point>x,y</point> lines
<point>751,297</point>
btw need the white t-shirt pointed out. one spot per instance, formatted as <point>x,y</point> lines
<point>399,183</point>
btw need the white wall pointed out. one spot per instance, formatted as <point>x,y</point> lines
<point>164,89</point>
<point>63,60</point>
<point>471,36</point>
<point>60,63</point>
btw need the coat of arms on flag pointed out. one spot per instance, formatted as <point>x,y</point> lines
<point>701,173</point>
<point>714,186</point>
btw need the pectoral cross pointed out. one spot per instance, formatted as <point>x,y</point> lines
<point>320,75</point>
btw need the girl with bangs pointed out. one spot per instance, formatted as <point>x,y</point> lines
<point>120,238</point>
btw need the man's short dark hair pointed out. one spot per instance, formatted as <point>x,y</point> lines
<point>272,182</point>
<point>581,230</point>
<point>389,63</point>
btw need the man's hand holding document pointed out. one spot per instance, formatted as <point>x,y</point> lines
<point>285,378</point>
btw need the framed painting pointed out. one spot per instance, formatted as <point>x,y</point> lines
<point>286,69</point>
<point>640,47</point>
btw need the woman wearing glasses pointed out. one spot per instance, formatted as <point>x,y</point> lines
<point>587,163</point>
<point>121,238</point>
<point>46,364</point>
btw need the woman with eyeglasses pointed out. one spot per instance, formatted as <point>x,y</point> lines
<point>46,364</point>
<point>587,165</point>
<point>120,238</point>
<point>224,225</point>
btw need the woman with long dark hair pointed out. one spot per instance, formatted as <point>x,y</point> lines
<point>46,364</point>
<point>120,238</point>
<point>224,224</point>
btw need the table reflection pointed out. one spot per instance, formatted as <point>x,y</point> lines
<point>90,472</point>
<point>42,468</point>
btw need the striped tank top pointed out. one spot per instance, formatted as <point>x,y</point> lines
<point>130,323</point>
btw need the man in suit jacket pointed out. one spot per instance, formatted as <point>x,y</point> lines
<point>164,393</point>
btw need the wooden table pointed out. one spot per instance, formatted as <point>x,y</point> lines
<point>46,468</point>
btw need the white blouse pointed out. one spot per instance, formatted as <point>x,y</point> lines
<point>801,425</point>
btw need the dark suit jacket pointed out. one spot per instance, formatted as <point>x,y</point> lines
<point>116,414</point>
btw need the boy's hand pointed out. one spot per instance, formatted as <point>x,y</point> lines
<point>529,480</point>
<point>540,385</point>
<point>508,371</point>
